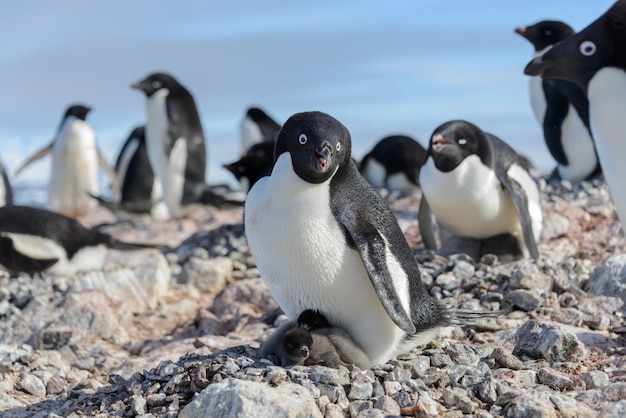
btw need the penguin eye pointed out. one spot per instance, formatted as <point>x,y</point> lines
<point>587,48</point>
<point>462,141</point>
<point>338,147</point>
<point>156,84</point>
<point>547,32</point>
<point>302,139</point>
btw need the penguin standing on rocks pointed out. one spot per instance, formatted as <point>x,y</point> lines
<point>33,240</point>
<point>595,60</point>
<point>75,161</point>
<point>481,194</point>
<point>6,195</point>
<point>394,164</point>
<point>562,108</point>
<point>175,143</point>
<point>324,239</point>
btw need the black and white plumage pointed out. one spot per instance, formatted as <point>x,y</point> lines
<point>562,109</point>
<point>35,240</point>
<point>478,188</point>
<point>394,164</point>
<point>257,127</point>
<point>311,340</point>
<point>75,162</point>
<point>141,191</point>
<point>256,163</point>
<point>6,194</point>
<point>595,60</point>
<point>324,239</point>
<point>175,143</point>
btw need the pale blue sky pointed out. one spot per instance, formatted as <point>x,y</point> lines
<point>380,67</point>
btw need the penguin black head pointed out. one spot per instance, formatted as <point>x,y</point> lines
<point>318,143</point>
<point>157,81</point>
<point>78,111</point>
<point>579,57</point>
<point>297,344</point>
<point>545,33</point>
<point>312,320</point>
<point>454,141</point>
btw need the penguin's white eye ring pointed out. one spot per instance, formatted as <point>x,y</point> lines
<point>302,139</point>
<point>587,48</point>
<point>338,147</point>
<point>462,141</point>
<point>547,32</point>
<point>156,84</point>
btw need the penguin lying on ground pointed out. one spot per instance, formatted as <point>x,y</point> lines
<point>324,239</point>
<point>34,240</point>
<point>75,161</point>
<point>595,59</point>
<point>481,194</point>
<point>6,195</point>
<point>257,128</point>
<point>562,108</point>
<point>394,164</point>
<point>311,340</point>
<point>257,163</point>
<point>141,191</point>
<point>176,146</point>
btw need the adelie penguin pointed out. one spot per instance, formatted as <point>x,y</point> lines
<point>311,340</point>
<point>257,127</point>
<point>562,109</point>
<point>595,60</point>
<point>6,195</point>
<point>481,193</point>
<point>176,145</point>
<point>394,164</point>
<point>324,239</point>
<point>34,240</point>
<point>257,163</point>
<point>141,191</point>
<point>75,161</point>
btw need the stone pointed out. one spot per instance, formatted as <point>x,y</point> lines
<point>233,397</point>
<point>33,385</point>
<point>208,274</point>
<point>526,300</point>
<point>557,380</point>
<point>529,406</point>
<point>387,405</point>
<point>527,275</point>
<point>595,379</point>
<point>609,279</point>
<point>537,340</point>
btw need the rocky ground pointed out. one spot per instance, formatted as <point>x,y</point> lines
<point>176,334</point>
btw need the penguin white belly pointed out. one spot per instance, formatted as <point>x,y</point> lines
<point>74,170</point>
<point>578,147</point>
<point>469,201</point>
<point>250,135</point>
<point>375,173</point>
<point>157,142</point>
<point>400,182</point>
<point>538,99</point>
<point>3,193</point>
<point>607,109</point>
<point>303,257</point>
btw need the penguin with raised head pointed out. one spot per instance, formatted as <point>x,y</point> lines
<point>341,249</point>
<point>141,191</point>
<point>175,143</point>
<point>595,60</point>
<point>479,189</point>
<point>75,161</point>
<point>35,240</point>
<point>257,127</point>
<point>562,109</point>
<point>394,164</point>
<point>6,195</point>
<point>257,163</point>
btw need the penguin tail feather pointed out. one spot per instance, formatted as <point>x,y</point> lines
<point>461,317</point>
<point>130,246</point>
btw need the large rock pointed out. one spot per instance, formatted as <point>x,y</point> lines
<point>537,340</point>
<point>609,279</point>
<point>141,284</point>
<point>240,398</point>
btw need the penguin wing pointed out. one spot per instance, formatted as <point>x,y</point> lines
<point>14,260</point>
<point>556,112</point>
<point>518,196</point>
<point>8,195</point>
<point>39,155</point>
<point>425,223</point>
<point>115,183</point>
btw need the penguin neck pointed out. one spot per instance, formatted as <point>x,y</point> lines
<point>286,182</point>
<point>542,51</point>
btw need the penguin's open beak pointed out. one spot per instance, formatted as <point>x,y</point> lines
<point>521,31</point>
<point>304,351</point>
<point>536,67</point>
<point>137,85</point>
<point>323,156</point>
<point>439,143</point>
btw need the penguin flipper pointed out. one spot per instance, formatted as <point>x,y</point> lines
<point>15,261</point>
<point>374,250</point>
<point>425,222</point>
<point>38,156</point>
<point>520,201</point>
<point>556,113</point>
<point>115,183</point>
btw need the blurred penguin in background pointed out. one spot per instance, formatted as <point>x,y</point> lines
<point>6,196</point>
